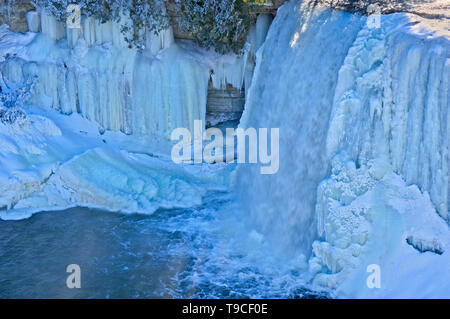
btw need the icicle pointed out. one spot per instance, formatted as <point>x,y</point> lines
<point>52,27</point>
<point>33,21</point>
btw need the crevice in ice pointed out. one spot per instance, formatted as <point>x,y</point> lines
<point>425,246</point>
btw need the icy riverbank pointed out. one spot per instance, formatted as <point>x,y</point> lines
<point>48,166</point>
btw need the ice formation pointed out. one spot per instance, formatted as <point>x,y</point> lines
<point>369,216</point>
<point>392,102</point>
<point>33,21</point>
<point>22,145</point>
<point>121,89</point>
<point>45,167</point>
<point>147,92</point>
<point>144,93</point>
<point>123,182</point>
<point>370,105</point>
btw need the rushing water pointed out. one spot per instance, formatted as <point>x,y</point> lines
<point>195,253</point>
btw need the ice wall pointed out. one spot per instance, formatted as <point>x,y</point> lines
<point>390,118</point>
<point>337,85</point>
<point>92,71</point>
<point>392,102</point>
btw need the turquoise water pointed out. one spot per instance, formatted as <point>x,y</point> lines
<point>197,253</point>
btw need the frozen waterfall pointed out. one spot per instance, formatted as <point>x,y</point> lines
<point>338,87</point>
<point>293,89</point>
<point>146,92</point>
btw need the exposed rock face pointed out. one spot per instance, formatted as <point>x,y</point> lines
<point>271,7</point>
<point>13,13</point>
<point>223,105</point>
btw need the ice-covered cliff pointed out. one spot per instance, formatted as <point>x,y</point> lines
<point>147,92</point>
<point>363,107</point>
<point>91,71</point>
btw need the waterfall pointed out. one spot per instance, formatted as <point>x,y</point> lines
<point>293,89</point>
<point>340,88</point>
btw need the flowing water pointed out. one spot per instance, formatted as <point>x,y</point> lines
<point>194,253</point>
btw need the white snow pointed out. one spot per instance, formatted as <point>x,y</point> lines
<point>48,166</point>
